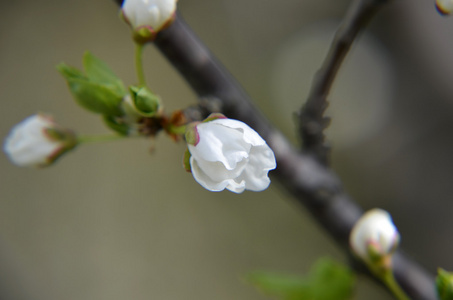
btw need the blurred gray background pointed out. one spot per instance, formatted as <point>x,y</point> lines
<point>115,221</point>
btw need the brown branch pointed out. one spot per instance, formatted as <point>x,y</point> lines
<point>310,182</point>
<point>312,121</point>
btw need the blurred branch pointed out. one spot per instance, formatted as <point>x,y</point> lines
<point>310,182</point>
<point>312,121</point>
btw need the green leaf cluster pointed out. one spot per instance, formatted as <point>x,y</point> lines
<point>327,280</point>
<point>444,285</point>
<point>97,89</point>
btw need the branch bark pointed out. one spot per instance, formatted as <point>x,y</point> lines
<point>312,121</point>
<point>309,181</point>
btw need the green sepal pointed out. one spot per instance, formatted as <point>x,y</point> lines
<point>112,123</point>
<point>146,103</point>
<point>65,137</point>
<point>191,135</point>
<point>374,252</point>
<point>144,34</point>
<point>214,116</point>
<point>67,140</point>
<point>444,284</point>
<point>97,89</point>
<point>186,160</point>
<point>55,134</point>
<point>328,280</point>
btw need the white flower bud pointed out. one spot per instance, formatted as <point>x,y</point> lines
<point>227,153</point>
<point>374,235</point>
<point>147,17</point>
<point>37,141</point>
<point>444,7</point>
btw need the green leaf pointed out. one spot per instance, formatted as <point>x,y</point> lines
<point>70,72</point>
<point>338,278</point>
<point>98,71</point>
<point>284,286</point>
<point>95,97</point>
<point>97,89</point>
<point>146,103</point>
<point>113,124</point>
<point>444,285</point>
<point>327,280</point>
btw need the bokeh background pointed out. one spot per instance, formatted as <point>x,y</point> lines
<point>122,220</point>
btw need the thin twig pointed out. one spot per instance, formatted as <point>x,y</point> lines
<point>310,182</point>
<point>312,121</point>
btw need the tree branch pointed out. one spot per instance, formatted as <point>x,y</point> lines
<point>309,181</point>
<point>312,121</point>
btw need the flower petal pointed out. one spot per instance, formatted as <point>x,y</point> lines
<point>255,175</point>
<point>204,180</point>
<point>218,172</point>
<point>153,13</point>
<point>220,143</point>
<point>249,135</point>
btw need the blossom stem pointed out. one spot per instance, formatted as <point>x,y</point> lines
<point>384,272</point>
<point>393,286</point>
<point>99,138</point>
<point>178,130</point>
<point>139,64</point>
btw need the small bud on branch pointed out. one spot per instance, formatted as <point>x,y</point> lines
<point>37,142</point>
<point>148,17</point>
<point>444,7</point>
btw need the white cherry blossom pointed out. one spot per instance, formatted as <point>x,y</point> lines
<point>374,231</point>
<point>227,153</point>
<point>37,141</point>
<point>445,7</point>
<point>148,13</point>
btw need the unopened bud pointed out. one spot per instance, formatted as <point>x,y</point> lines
<point>148,17</point>
<point>38,141</point>
<point>374,236</point>
<point>444,7</point>
<point>144,102</point>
